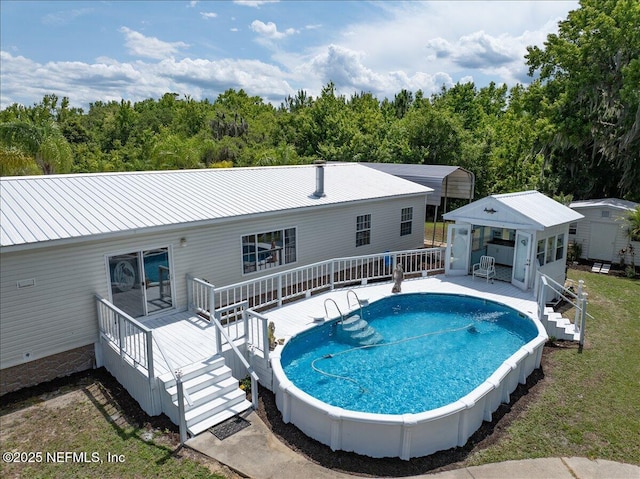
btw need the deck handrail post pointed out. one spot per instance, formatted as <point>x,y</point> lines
<point>577,319</point>
<point>265,336</point>
<point>181,412</point>
<point>212,299</point>
<point>218,335</point>
<point>120,334</point>
<point>150,364</point>
<point>280,289</point>
<point>190,292</point>
<point>332,272</point>
<point>583,318</point>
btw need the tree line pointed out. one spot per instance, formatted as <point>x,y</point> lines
<point>574,130</point>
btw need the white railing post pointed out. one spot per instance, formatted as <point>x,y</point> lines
<point>181,413</point>
<point>190,306</point>
<point>279,289</point>
<point>120,334</point>
<point>212,299</point>
<point>150,365</point>
<point>577,318</point>
<point>332,273</point>
<point>583,319</point>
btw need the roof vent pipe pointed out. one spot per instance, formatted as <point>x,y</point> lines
<point>319,193</point>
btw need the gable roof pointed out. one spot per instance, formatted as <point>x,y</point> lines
<point>37,210</point>
<point>521,210</point>
<point>446,181</point>
<point>614,203</point>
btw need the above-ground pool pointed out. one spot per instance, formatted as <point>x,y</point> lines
<point>408,375</point>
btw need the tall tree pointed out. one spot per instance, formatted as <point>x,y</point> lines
<point>591,74</point>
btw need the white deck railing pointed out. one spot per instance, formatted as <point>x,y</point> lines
<point>273,289</point>
<point>132,339</point>
<point>577,299</point>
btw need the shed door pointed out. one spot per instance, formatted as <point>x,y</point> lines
<point>458,249</point>
<point>140,281</point>
<point>602,241</point>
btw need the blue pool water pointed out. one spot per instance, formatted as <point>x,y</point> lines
<point>436,349</point>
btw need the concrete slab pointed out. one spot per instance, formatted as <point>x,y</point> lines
<point>547,468</point>
<point>584,468</point>
<point>256,453</point>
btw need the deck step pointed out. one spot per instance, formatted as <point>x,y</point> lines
<point>214,395</point>
<point>193,370</point>
<point>202,381</point>
<point>218,418</point>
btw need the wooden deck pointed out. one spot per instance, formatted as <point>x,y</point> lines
<point>187,339</point>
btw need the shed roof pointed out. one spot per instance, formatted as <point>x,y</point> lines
<point>38,210</point>
<point>521,210</point>
<point>614,203</point>
<point>446,181</point>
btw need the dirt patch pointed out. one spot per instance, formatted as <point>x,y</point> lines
<point>94,390</point>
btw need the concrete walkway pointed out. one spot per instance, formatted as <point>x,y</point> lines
<point>256,453</point>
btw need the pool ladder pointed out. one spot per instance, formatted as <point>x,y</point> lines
<point>354,330</point>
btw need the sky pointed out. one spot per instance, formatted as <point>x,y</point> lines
<point>96,50</point>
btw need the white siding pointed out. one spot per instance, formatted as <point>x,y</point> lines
<point>58,313</point>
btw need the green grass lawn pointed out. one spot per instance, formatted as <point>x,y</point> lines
<point>589,404</point>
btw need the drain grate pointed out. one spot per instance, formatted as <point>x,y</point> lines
<point>229,427</point>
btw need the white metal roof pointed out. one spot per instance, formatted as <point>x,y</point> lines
<point>524,209</point>
<point>36,210</point>
<point>605,203</point>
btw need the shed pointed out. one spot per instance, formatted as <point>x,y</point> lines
<point>603,233</point>
<point>133,237</point>
<point>524,231</point>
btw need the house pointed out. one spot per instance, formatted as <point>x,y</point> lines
<point>524,231</point>
<point>132,238</point>
<point>602,234</point>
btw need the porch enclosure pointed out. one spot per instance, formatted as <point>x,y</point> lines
<point>138,359</point>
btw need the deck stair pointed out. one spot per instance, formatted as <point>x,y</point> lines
<point>558,326</point>
<point>357,331</point>
<point>214,393</point>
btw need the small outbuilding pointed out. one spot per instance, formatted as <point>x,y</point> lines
<point>603,233</point>
<point>524,232</point>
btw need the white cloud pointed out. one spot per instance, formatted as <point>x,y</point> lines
<point>149,47</point>
<point>208,15</point>
<point>109,79</point>
<point>254,3</point>
<point>270,30</point>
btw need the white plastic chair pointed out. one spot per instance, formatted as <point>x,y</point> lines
<point>485,268</point>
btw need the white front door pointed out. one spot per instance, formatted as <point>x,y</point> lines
<point>458,250</point>
<point>521,272</point>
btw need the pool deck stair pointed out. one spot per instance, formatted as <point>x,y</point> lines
<point>358,332</point>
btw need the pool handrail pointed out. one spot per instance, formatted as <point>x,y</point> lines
<point>326,312</point>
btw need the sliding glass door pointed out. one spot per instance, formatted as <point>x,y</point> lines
<point>141,281</point>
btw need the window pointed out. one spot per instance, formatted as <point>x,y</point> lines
<point>406,221</point>
<point>604,213</point>
<point>573,228</point>
<point>540,252</point>
<point>267,250</point>
<point>550,248</point>
<point>363,230</point>
<point>559,247</point>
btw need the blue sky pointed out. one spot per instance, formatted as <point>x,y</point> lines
<point>109,50</point>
